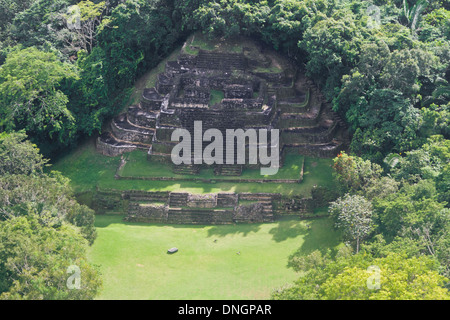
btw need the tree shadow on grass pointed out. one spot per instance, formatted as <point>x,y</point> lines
<point>321,236</point>
<point>224,230</point>
<point>286,229</point>
<point>105,220</point>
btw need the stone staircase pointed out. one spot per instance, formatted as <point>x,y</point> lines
<point>271,91</point>
<point>267,210</point>
<point>177,200</point>
<point>228,170</point>
<point>199,216</point>
<point>186,169</point>
<point>220,61</point>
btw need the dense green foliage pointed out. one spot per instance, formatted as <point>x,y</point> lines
<point>386,70</point>
<point>93,58</point>
<point>384,65</point>
<point>35,259</point>
<point>43,230</point>
<point>350,277</point>
<point>397,219</point>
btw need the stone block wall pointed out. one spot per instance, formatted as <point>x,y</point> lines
<point>125,131</point>
<point>108,147</point>
<point>238,91</point>
<point>140,118</point>
<point>250,213</point>
<point>153,213</point>
<point>151,100</point>
<point>185,208</point>
<point>227,200</point>
<point>202,200</point>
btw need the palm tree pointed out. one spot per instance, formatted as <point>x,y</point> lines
<point>442,90</point>
<point>412,14</point>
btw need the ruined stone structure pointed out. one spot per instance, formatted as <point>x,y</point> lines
<point>227,90</point>
<point>218,208</point>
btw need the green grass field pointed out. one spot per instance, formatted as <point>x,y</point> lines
<point>138,166</point>
<point>88,169</point>
<point>134,264</point>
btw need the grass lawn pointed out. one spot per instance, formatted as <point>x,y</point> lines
<point>88,169</point>
<point>200,41</point>
<point>134,264</point>
<point>138,166</point>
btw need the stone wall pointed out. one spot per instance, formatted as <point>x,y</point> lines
<point>251,213</point>
<point>227,200</point>
<point>151,100</point>
<point>139,117</point>
<point>154,213</point>
<point>185,208</point>
<point>109,147</point>
<point>124,130</point>
<point>202,200</point>
<point>295,204</point>
<point>242,104</point>
<point>236,91</point>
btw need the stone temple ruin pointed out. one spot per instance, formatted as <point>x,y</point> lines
<point>226,91</point>
<point>237,89</point>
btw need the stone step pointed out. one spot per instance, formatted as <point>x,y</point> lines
<point>228,170</point>
<point>214,60</point>
<point>199,216</point>
<point>178,199</point>
<point>185,169</point>
<point>126,131</point>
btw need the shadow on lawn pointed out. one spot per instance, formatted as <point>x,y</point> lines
<point>317,234</point>
<point>321,236</point>
<point>224,230</point>
<point>288,229</point>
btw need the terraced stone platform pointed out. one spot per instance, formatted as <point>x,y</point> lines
<point>249,88</point>
<point>253,96</point>
<point>219,208</point>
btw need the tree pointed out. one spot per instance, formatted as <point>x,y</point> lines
<point>40,24</point>
<point>426,162</point>
<point>353,215</point>
<point>347,277</point>
<point>84,18</point>
<point>19,156</point>
<point>412,14</point>
<point>442,90</point>
<point>50,196</point>
<point>354,173</point>
<point>415,213</point>
<point>400,279</point>
<point>332,45</point>
<point>231,17</point>
<point>8,10</point>
<point>31,98</point>
<point>35,261</point>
